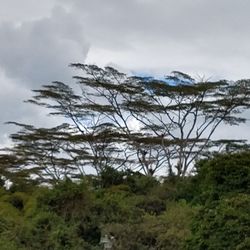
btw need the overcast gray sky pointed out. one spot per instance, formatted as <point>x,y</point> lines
<point>38,39</point>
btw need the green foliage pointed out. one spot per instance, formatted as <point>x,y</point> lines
<point>7,244</point>
<point>224,224</point>
<point>141,184</point>
<point>53,205</point>
<point>110,176</point>
<point>67,199</point>
<point>223,221</point>
<point>72,215</point>
<point>117,205</point>
<point>209,210</point>
<point>152,205</point>
<point>49,231</point>
<point>176,188</point>
<point>167,231</point>
<point>226,173</point>
<point>245,245</point>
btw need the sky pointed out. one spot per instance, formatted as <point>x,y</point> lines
<point>39,39</point>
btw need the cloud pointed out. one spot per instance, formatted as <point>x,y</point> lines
<point>33,53</point>
<point>19,11</point>
<point>40,38</point>
<point>207,36</point>
<point>39,51</point>
<point>12,108</point>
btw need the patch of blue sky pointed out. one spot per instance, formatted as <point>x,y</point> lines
<point>170,80</point>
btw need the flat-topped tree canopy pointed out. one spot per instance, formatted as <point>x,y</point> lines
<point>132,122</point>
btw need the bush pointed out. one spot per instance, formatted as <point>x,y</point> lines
<point>66,199</point>
<point>223,224</point>
<point>227,173</point>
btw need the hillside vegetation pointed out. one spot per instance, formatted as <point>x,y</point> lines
<point>127,131</point>
<point>209,210</point>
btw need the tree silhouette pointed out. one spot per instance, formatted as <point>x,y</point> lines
<point>176,119</point>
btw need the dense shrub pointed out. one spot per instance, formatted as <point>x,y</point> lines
<point>209,210</point>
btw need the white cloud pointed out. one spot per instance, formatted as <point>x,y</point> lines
<point>134,125</point>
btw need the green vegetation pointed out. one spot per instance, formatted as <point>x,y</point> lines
<point>209,210</point>
<point>175,119</point>
<point>50,201</point>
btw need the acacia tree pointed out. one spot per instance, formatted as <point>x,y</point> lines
<point>98,118</point>
<point>176,118</point>
<point>188,114</point>
<point>52,154</point>
<point>41,152</point>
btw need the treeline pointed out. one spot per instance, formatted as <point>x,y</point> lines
<point>209,210</point>
<point>92,180</point>
<point>127,122</point>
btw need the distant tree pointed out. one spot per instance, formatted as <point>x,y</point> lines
<point>12,170</point>
<point>176,119</point>
<point>43,152</point>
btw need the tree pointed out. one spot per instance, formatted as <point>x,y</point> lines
<point>222,175</point>
<point>42,153</point>
<point>176,119</point>
<point>225,224</point>
<point>188,114</point>
<point>223,220</point>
